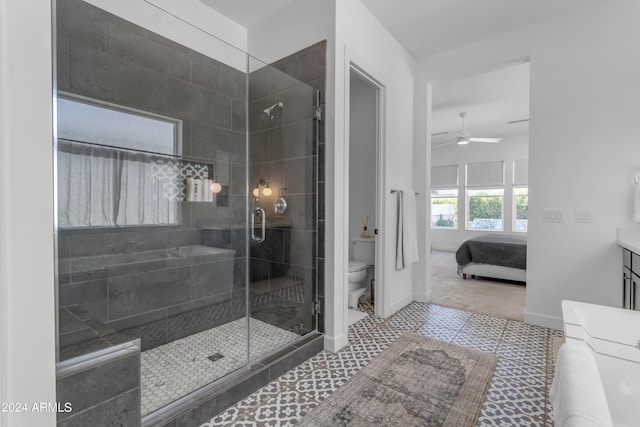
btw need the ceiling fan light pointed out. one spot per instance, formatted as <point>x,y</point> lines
<point>463,140</point>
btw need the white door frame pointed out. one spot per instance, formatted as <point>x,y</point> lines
<point>368,74</point>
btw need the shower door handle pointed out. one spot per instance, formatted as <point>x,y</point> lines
<point>258,212</point>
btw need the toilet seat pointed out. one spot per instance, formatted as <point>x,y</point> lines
<point>356,266</point>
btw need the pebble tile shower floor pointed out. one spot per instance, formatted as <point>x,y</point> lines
<point>518,394</point>
<point>182,366</point>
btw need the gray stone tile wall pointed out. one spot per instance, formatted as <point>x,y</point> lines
<point>104,57</point>
<point>137,285</point>
<point>102,391</point>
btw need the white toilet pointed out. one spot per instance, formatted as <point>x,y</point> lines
<point>364,255</point>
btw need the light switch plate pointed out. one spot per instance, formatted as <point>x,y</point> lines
<point>552,215</point>
<point>583,215</point>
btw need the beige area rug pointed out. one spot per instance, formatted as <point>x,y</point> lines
<point>416,381</point>
<point>484,296</point>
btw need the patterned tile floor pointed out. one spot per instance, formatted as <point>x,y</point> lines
<point>182,366</point>
<point>517,396</point>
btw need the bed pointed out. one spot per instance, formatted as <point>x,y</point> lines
<point>498,256</point>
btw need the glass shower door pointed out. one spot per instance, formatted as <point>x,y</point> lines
<point>283,203</point>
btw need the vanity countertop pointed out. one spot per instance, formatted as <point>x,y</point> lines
<point>629,238</point>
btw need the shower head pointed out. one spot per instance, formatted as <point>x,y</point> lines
<point>267,113</point>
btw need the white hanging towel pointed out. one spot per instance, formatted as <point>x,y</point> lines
<point>636,204</point>
<point>191,195</point>
<point>399,234</point>
<point>208,194</point>
<point>407,230</point>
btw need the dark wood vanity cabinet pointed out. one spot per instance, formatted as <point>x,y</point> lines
<point>630,280</point>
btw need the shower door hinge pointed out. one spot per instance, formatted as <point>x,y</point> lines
<point>318,113</point>
<point>316,307</point>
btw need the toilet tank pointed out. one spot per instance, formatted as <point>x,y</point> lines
<point>364,250</point>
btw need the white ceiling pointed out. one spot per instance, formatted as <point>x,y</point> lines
<point>427,27</point>
<point>247,12</point>
<point>491,100</point>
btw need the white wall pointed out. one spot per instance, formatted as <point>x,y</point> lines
<point>422,128</point>
<point>361,39</point>
<point>27,317</point>
<point>362,159</point>
<point>512,147</point>
<point>584,107</point>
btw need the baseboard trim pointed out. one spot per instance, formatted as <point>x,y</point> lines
<point>543,320</point>
<point>422,296</point>
<point>398,305</point>
<point>443,249</point>
<point>334,344</point>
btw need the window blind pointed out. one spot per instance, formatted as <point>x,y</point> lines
<point>485,174</point>
<point>521,172</point>
<point>444,176</point>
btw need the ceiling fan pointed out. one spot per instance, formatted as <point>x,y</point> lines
<point>463,137</point>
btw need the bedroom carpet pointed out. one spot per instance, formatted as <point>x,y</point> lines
<point>416,381</point>
<point>493,298</point>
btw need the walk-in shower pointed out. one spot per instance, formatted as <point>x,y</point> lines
<point>160,252</point>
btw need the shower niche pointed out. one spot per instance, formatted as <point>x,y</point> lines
<point>170,271</point>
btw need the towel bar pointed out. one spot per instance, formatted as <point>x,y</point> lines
<point>394,190</point>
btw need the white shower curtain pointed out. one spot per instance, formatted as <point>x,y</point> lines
<point>99,186</point>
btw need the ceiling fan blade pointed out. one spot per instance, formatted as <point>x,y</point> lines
<point>443,144</point>
<point>439,133</point>
<point>490,140</point>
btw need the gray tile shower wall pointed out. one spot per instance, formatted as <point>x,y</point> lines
<point>153,290</point>
<point>103,57</point>
<point>102,390</point>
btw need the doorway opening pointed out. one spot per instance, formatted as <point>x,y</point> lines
<point>364,166</point>
<point>479,187</point>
